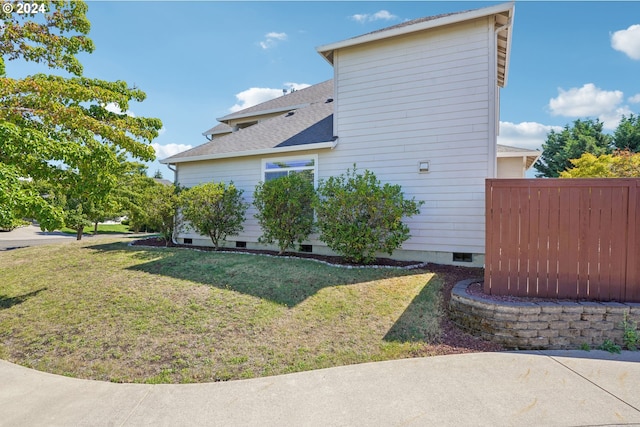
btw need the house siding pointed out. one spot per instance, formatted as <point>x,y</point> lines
<point>424,96</point>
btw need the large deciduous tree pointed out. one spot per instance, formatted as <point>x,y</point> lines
<point>62,129</point>
<point>585,136</point>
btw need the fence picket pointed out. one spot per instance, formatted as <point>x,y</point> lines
<point>564,238</point>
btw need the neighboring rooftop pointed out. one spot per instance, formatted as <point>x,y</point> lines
<point>508,151</point>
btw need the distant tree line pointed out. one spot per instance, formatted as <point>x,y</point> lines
<point>563,149</point>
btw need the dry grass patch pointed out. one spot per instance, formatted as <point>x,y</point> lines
<point>129,314</point>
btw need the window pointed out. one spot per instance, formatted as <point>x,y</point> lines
<point>278,167</point>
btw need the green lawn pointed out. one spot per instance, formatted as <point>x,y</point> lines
<point>117,313</point>
<point>102,229</point>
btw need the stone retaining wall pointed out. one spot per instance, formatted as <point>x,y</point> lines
<point>541,325</point>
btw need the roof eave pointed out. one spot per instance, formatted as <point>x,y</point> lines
<point>261,112</point>
<point>274,150</point>
<point>327,50</point>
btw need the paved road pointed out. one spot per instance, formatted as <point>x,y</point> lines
<point>484,389</point>
<point>31,236</point>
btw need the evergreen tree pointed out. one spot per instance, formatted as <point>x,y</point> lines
<point>585,136</point>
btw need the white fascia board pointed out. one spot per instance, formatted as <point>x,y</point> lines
<point>532,153</point>
<point>419,26</point>
<point>276,150</point>
<point>262,112</point>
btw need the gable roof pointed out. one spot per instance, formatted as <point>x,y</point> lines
<point>503,18</point>
<point>304,128</point>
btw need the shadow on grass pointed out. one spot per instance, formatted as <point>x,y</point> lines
<point>284,281</point>
<point>8,302</point>
<point>420,322</point>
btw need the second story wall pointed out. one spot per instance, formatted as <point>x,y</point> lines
<point>427,96</point>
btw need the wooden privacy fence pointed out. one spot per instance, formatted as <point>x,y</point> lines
<point>563,238</point>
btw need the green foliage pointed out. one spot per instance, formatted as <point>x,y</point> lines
<point>631,337</point>
<point>627,134</point>
<point>357,216</point>
<point>621,164</point>
<point>216,210</point>
<point>159,208</point>
<point>585,136</point>
<point>285,210</point>
<point>585,347</point>
<point>49,42</point>
<point>20,198</point>
<point>610,346</point>
<point>62,131</point>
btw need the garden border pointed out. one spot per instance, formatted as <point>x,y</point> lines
<point>540,324</point>
<point>349,266</point>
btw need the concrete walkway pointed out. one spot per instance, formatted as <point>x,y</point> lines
<point>574,388</point>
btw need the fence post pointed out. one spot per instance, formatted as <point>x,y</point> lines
<point>632,276</point>
<point>488,237</point>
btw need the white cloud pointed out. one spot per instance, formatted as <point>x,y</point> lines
<point>381,15</point>
<point>295,86</point>
<point>635,99</point>
<point>252,96</point>
<point>113,107</point>
<point>271,40</point>
<point>525,135</point>
<point>588,100</point>
<point>168,150</point>
<point>591,101</point>
<point>256,95</point>
<point>627,41</point>
<point>612,119</point>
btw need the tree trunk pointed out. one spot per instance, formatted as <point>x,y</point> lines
<point>79,233</point>
<point>95,228</point>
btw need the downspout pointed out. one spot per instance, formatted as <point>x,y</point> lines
<point>175,174</point>
<point>175,179</point>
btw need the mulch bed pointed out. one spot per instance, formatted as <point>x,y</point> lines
<point>337,260</point>
<point>453,339</point>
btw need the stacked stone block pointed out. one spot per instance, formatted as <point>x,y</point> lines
<point>541,325</point>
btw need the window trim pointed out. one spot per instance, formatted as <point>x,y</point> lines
<point>313,157</point>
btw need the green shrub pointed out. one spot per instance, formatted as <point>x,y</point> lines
<point>631,337</point>
<point>213,209</point>
<point>357,216</point>
<point>285,211</point>
<point>159,207</point>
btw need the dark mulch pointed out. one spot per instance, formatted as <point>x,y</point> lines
<point>386,262</point>
<point>452,341</point>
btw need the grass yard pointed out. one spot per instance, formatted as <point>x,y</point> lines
<point>129,314</point>
<point>102,229</point>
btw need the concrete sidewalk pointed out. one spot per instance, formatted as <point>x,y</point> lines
<point>481,389</point>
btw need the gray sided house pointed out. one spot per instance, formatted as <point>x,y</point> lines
<point>416,103</point>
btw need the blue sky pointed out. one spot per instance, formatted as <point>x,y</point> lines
<point>200,60</point>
